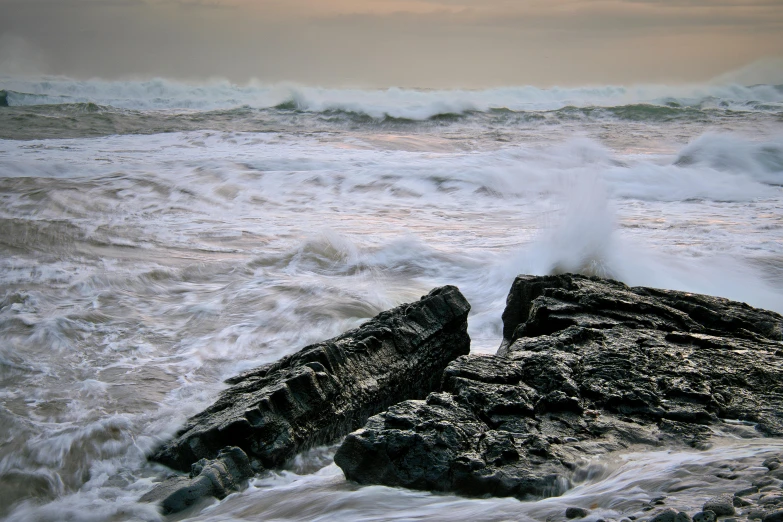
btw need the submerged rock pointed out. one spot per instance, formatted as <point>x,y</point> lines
<point>328,389</point>
<point>587,366</point>
<point>208,478</point>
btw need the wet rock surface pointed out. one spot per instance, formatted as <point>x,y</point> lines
<point>330,388</point>
<point>208,478</point>
<point>587,366</point>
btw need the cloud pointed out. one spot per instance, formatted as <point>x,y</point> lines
<point>430,43</point>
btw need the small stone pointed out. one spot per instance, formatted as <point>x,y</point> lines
<point>766,489</point>
<point>704,516</point>
<point>770,461</point>
<point>775,516</point>
<point>576,512</point>
<point>740,502</point>
<point>729,520</point>
<point>667,515</point>
<point>682,516</point>
<point>771,499</point>
<point>756,514</point>
<point>747,491</point>
<point>722,505</point>
<point>773,465</point>
<point>764,481</point>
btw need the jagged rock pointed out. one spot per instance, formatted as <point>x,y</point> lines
<point>328,389</point>
<point>587,366</point>
<point>208,478</point>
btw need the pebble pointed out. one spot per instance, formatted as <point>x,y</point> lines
<point>775,516</point>
<point>704,516</point>
<point>682,516</point>
<point>756,514</point>
<point>667,515</point>
<point>576,512</point>
<point>721,506</point>
<point>746,491</point>
<point>771,499</point>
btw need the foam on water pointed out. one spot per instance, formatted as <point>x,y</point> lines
<point>139,271</point>
<point>377,103</point>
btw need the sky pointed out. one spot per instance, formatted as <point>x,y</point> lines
<point>407,43</point>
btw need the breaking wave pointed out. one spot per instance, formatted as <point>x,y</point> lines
<point>634,102</point>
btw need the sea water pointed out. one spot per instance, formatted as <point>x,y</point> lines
<point>158,237</point>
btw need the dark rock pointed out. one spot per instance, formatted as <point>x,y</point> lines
<point>757,514</point>
<point>722,505</point>
<point>765,481</point>
<point>740,502</point>
<point>771,499</point>
<point>3,98</point>
<point>587,366</point>
<point>667,515</point>
<point>682,516</point>
<point>704,516</point>
<point>775,516</point>
<point>328,389</point>
<point>208,478</point>
<point>576,512</point>
<point>747,491</point>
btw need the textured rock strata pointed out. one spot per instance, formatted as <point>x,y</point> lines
<point>330,388</point>
<point>208,478</point>
<point>587,366</point>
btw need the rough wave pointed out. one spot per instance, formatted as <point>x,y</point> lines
<point>408,104</point>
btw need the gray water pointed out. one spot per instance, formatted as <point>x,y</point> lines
<point>157,238</point>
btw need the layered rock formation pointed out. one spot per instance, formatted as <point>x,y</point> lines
<point>586,366</point>
<point>208,478</point>
<point>328,389</point>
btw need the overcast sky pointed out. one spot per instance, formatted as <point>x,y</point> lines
<point>375,43</point>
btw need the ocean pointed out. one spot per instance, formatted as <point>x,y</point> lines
<point>158,237</point>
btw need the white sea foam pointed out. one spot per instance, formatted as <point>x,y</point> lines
<point>139,271</point>
<point>379,103</point>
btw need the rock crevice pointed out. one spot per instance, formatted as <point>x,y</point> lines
<point>587,366</point>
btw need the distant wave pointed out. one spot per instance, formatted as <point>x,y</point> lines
<point>635,102</point>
